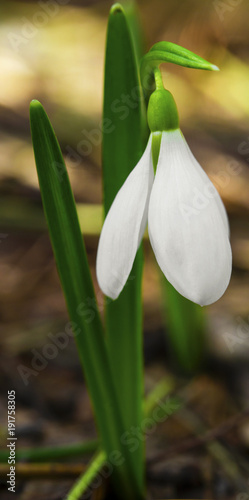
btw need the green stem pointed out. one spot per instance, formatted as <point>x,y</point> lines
<point>158,393</point>
<point>122,148</point>
<point>186,329</point>
<point>158,79</point>
<point>85,481</point>
<point>172,53</point>
<point>51,453</point>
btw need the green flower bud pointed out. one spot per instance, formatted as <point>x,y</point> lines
<point>162,112</point>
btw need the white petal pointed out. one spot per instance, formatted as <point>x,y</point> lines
<point>124,227</point>
<point>209,189</point>
<point>188,224</point>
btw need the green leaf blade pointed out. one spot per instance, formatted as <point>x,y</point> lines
<point>60,209</point>
<point>71,259</point>
<point>123,109</point>
<point>122,148</point>
<point>186,328</point>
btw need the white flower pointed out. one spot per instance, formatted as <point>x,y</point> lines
<point>187,221</point>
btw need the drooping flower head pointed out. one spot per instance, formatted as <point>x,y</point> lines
<point>187,221</point>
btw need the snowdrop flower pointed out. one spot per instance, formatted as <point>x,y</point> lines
<point>187,221</point>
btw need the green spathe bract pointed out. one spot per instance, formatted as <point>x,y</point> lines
<point>169,52</point>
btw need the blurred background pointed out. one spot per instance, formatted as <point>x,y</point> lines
<point>53,51</point>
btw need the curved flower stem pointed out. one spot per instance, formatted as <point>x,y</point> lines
<point>169,52</point>
<point>158,79</point>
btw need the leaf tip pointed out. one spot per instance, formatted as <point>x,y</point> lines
<point>116,9</point>
<point>214,67</point>
<point>35,106</point>
<point>34,103</point>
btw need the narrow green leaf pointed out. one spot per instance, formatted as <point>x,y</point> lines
<point>85,480</point>
<point>124,113</point>
<point>133,19</point>
<point>122,148</point>
<point>47,453</point>
<point>153,401</point>
<point>71,259</point>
